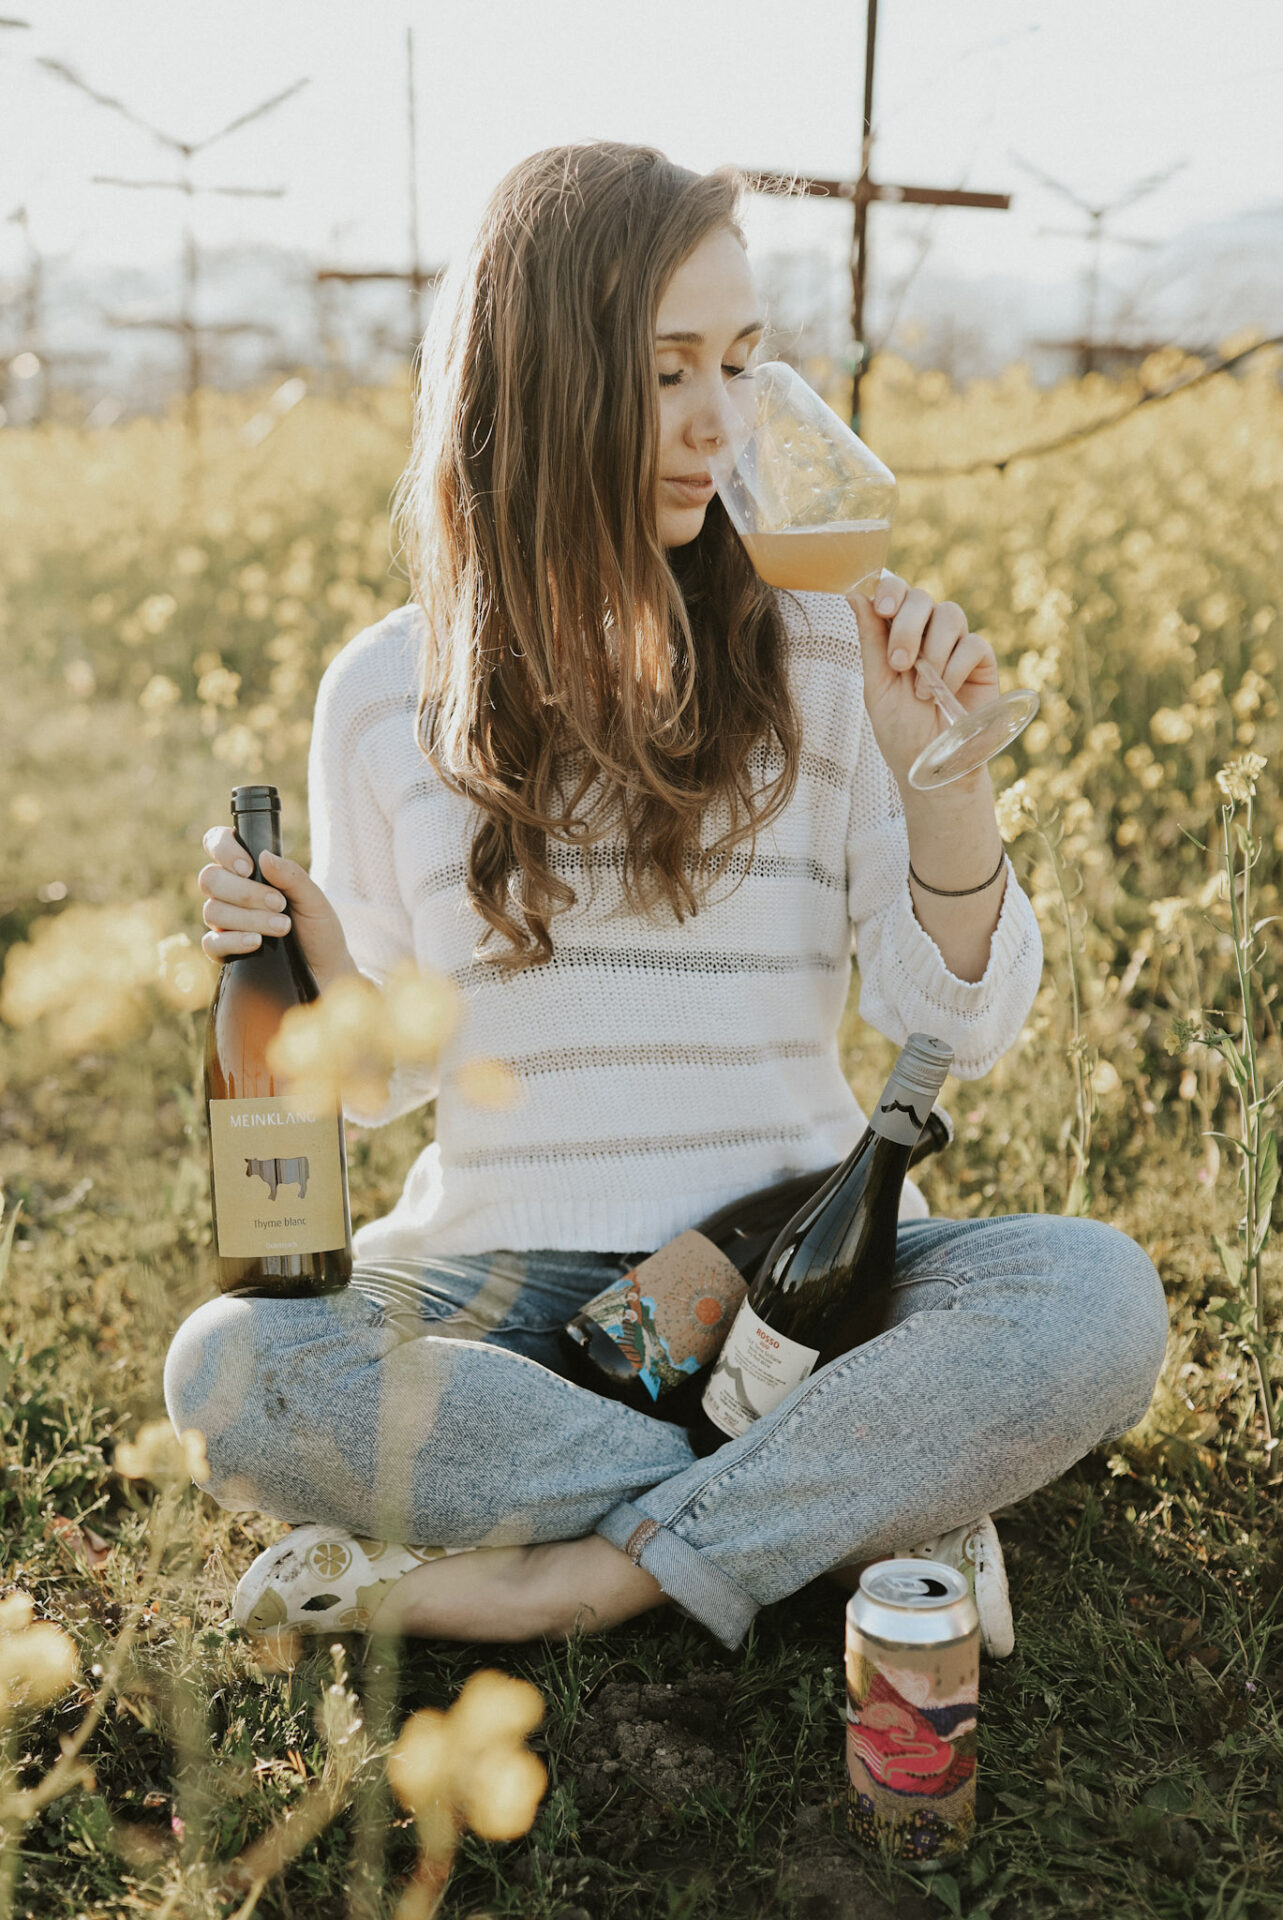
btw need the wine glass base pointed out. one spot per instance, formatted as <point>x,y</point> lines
<point>967,744</point>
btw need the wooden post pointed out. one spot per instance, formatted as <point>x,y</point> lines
<point>861,192</point>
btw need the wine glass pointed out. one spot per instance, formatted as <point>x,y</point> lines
<point>813,507</point>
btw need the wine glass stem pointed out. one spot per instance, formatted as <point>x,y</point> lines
<point>952,708</point>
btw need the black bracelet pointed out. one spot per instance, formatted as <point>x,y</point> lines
<point>956,893</point>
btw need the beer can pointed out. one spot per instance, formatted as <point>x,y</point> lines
<point>912,1702</point>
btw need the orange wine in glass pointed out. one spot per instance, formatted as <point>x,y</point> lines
<point>813,506</point>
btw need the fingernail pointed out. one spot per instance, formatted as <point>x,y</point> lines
<point>243,866</point>
<point>252,939</point>
<point>275,902</point>
<point>899,660</point>
<point>279,923</point>
<point>885,603</point>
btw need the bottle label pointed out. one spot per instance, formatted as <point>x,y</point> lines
<point>756,1369</point>
<point>669,1315</point>
<point>278,1179</point>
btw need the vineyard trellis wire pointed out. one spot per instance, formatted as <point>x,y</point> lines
<point>1035,451</point>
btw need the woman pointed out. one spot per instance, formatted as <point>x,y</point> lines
<point>638,805</point>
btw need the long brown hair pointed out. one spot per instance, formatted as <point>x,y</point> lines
<point>567,653</point>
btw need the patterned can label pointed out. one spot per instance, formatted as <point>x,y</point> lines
<point>669,1314</point>
<point>912,1712</point>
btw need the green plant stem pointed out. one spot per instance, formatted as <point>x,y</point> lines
<point>1082,1100</point>
<point>65,1773</point>
<point>1249,1100</point>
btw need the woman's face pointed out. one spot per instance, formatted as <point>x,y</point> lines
<point>706,328</point>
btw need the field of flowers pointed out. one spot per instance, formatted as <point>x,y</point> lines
<point>163,622</point>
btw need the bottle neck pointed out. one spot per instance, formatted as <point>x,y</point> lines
<point>259,831</point>
<point>901,1112</point>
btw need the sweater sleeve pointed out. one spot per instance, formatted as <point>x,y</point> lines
<point>905,985</point>
<point>352,854</point>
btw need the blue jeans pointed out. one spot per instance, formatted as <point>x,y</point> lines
<point>419,1406</point>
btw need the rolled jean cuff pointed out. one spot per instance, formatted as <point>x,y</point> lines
<point>687,1576</point>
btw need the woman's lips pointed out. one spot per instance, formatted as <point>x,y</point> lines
<point>694,490</point>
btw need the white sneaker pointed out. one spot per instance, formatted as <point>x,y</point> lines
<point>320,1579</point>
<point>974,1551</point>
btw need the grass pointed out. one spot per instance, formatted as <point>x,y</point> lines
<point>1130,1749</point>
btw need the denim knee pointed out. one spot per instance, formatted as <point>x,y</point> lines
<point>1124,1321</point>
<point>207,1374</point>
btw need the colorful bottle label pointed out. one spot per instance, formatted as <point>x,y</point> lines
<point>669,1314</point>
<point>911,1745</point>
<point>755,1370</point>
<point>278,1178</point>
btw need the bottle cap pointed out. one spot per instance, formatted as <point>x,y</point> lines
<point>256,799</point>
<point>924,1063</point>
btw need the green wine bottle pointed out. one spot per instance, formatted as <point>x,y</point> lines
<point>650,1338</point>
<point>824,1285</point>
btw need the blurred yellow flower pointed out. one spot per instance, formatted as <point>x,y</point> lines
<point>421,1010</point>
<point>1013,808</point>
<point>1171,728</point>
<point>184,976</point>
<point>38,1661</point>
<point>84,970</point>
<point>160,1455</point>
<point>240,747</point>
<point>469,1766</point>
<point>80,678</point>
<point>488,1083</point>
<point>344,1046</point>
<point>218,687</point>
<point>25,810</point>
<point>1169,913</point>
<point>1105,1079</point>
<point>156,612</point>
<point>1237,780</point>
<point>159,694</point>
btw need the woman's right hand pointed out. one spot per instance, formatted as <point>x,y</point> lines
<point>239,910</point>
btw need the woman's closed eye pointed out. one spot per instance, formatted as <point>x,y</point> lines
<point>673,379</point>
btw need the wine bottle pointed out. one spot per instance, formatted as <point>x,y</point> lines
<point>650,1337</point>
<point>823,1285</point>
<point>277,1167</point>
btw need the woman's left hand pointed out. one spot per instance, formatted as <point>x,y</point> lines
<point>902,713</point>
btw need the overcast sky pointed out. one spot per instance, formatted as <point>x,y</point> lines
<point>1100,94</point>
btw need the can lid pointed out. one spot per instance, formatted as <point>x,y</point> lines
<point>256,799</point>
<point>915,1584</point>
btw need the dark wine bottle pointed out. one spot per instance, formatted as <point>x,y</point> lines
<point>823,1286</point>
<point>277,1167</point>
<point>647,1338</point>
<point>650,1338</point>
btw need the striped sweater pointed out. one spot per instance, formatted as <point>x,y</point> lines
<point>664,1067</point>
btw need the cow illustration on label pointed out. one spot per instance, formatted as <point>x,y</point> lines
<point>280,1173</point>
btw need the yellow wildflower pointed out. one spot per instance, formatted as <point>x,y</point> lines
<point>184,977</point>
<point>469,1766</point>
<point>159,694</point>
<point>84,970</point>
<point>1170,727</point>
<point>488,1083</point>
<point>160,1455</point>
<point>38,1661</point>
<point>1013,809</point>
<point>344,1046</point>
<point>1168,913</point>
<point>1237,780</point>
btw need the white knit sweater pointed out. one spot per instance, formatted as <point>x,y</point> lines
<point>665,1067</point>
